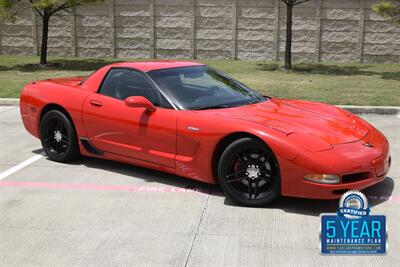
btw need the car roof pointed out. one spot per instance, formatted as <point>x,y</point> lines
<point>146,66</point>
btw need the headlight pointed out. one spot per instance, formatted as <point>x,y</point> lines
<point>322,178</point>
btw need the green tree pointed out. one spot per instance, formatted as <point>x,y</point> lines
<point>289,24</point>
<point>389,10</point>
<point>46,9</point>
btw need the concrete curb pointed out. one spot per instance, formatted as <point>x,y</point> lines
<point>382,110</point>
<point>9,101</point>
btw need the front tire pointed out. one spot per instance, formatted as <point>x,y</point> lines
<point>58,137</point>
<point>248,172</point>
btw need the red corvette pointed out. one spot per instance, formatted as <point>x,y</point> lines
<point>188,119</point>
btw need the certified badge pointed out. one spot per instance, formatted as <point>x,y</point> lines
<point>353,230</point>
<point>353,205</point>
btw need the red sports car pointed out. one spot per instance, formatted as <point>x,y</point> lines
<point>188,119</point>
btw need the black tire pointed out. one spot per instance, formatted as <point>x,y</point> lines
<point>248,172</point>
<point>58,137</point>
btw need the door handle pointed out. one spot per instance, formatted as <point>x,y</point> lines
<point>96,103</point>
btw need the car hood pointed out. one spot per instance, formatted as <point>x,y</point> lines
<point>331,124</point>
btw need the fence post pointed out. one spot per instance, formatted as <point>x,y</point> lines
<point>362,26</point>
<point>234,28</point>
<point>193,29</point>
<point>73,32</point>
<point>1,37</point>
<point>35,49</point>
<point>112,27</point>
<point>276,35</point>
<point>318,32</point>
<point>152,27</point>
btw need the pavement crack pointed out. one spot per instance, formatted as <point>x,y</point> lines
<point>198,226</point>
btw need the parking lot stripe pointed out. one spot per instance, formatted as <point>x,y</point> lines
<point>20,166</point>
<point>102,187</point>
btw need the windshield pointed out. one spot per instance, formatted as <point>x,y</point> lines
<point>202,87</point>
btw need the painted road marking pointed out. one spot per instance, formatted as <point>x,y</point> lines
<point>100,187</point>
<point>395,199</point>
<point>20,166</point>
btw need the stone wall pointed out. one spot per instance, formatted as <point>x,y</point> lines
<point>324,30</point>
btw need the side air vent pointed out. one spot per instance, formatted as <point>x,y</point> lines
<point>89,147</point>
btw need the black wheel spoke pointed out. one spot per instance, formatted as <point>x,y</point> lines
<point>50,142</point>
<point>266,179</point>
<point>51,127</point>
<point>65,142</point>
<point>59,125</point>
<point>262,158</point>
<point>256,189</point>
<point>249,188</point>
<point>237,179</point>
<point>65,137</point>
<point>235,173</point>
<point>59,147</point>
<point>266,175</point>
<point>266,172</point>
<point>243,159</point>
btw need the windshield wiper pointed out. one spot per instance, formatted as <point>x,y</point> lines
<point>226,106</point>
<point>253,102</point>
<point>213,107</point>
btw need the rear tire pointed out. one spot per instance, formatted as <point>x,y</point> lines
<point>248,172</point>
<point>58,137</point>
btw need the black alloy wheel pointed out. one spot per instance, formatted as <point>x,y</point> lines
<point>248,172</point>
<point>58,137</point>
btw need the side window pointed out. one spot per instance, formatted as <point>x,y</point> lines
<point>123,83</point>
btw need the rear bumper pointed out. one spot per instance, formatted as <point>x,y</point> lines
<point>29,113</point>
<point>357,165</point>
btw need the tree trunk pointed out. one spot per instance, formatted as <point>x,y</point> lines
<point>288,49</point>
<point>45,37</point>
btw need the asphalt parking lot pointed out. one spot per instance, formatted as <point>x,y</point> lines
<point>99,213</point>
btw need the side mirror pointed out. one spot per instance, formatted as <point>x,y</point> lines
<point>140,102</point>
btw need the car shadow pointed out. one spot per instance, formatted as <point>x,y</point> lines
<point>376,194</point>
<point>144,174</point>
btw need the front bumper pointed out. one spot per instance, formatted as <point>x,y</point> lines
<point>358,165</point>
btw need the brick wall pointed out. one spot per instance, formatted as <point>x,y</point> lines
<point>324,30</point>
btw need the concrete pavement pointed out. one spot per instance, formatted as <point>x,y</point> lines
<point>100,213</point>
